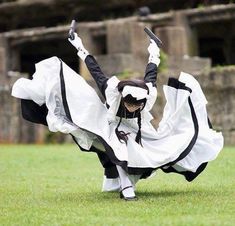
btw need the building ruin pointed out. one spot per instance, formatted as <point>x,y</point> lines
<point>195,40</point>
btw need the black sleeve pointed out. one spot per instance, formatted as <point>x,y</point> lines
<point>33,112</point>
<point>151,74</point>
<point>97,74</point>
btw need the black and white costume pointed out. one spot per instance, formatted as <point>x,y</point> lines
<point>183,143</point>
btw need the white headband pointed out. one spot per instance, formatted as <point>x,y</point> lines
<point>136,92</point>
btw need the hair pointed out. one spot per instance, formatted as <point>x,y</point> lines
<point>122,136</point>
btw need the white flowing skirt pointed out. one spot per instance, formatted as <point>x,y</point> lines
<point>182,142</point>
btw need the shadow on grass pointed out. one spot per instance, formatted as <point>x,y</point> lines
<point>98,197</point>
<point>170,193</point>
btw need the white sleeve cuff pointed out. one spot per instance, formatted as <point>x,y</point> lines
<point>82,53</point>
<point>154,59</point>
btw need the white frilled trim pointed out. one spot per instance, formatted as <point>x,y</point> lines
<point>151,99</point>
<point>137,92</point>
<point>200,98</point>
<point>113,98</point>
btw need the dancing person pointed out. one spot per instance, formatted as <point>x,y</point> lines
<point>120,131</point>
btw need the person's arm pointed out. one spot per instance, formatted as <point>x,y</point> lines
<point>97,74</point>
<point>154,61</point>
<point>91,63</point>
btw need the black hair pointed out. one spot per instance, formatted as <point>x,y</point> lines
<point>122,136</point>
<point>132,100</point>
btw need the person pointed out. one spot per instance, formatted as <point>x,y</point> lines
<point>120,130</point>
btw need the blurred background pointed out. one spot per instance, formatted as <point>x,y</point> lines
<point>198,38</point>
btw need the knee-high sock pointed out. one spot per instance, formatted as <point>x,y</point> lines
<point>125,182</point>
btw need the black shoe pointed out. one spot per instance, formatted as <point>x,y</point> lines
<point>132,198</point>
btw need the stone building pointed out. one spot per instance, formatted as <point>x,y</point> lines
<point>195,41</point>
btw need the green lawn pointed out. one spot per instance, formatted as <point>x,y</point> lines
<point>60,185</point>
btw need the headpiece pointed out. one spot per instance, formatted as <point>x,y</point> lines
<point>136,92</point>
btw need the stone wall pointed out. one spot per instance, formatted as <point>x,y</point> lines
<point>219,87</point>
<point>14,129</point>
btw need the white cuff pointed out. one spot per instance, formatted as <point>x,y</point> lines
<point>82,53</point>
<point>154,59</point>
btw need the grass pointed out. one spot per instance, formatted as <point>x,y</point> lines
<point>59,185</point>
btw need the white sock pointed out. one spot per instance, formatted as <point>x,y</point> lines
<point>125,182</point>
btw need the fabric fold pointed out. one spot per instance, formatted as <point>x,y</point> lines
<point>183,142</point>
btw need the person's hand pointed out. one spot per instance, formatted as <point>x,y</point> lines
<point>77,43</point>
<point>154,53</point>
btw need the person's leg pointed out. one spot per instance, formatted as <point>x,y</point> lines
<point>134,179</point>
<point>126,185</point>
<point>111,180</point>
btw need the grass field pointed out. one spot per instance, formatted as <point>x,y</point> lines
<point>60,185</point>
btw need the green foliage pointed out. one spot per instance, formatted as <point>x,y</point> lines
<point>218,68</point>
<point>222,68</point>
<point>200,6</point>
<point>59,185</point>
<point>163,63</point>
<point>126,74</point>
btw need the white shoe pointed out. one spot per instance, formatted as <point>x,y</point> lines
<point>128,197</point>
